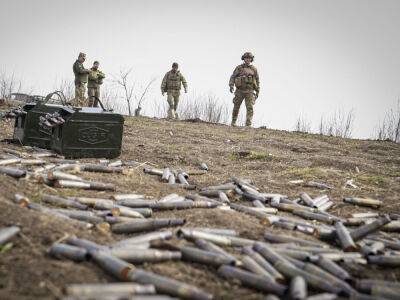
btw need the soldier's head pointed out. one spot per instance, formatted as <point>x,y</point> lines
<point>96,65</point>
<point>81,57</point>
<point>248,57</point>
<point>175,66</point>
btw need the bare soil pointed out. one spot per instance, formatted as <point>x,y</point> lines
<point>269,157</point>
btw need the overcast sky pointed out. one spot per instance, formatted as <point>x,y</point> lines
<point>313,56</point>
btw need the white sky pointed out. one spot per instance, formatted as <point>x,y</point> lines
<point>313,56</point>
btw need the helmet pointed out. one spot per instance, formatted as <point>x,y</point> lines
<point>248,54</point>
<point>175,65</point>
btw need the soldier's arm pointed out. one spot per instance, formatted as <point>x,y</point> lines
<point>184,83</point>
<point>101,75</point>
<point>93,76</point>
<point>233,76</point>
<point>81,69</point>
<point>257,78</point>
<point>164,83</point>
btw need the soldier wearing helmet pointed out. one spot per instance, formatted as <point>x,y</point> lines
<point>245,79</point>
<point>81,78</point>
<point>172,84</point>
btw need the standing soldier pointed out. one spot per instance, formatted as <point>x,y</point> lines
<point>81,78</point>
<point>245,78</point>
<point>95,80</point>
<point>171,84</point>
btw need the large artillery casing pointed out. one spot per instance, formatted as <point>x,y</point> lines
<point>325,206</point>
<point>203,166</point>
<point>165,175</point>
<point>60,201</point>
<point>86,216</point>
<point>58,175</point>
<point>86,244</point>
<point>251,280</point>
<point>297,254</point>
<point>263,263</point>
<point>145,255</point>
<point>217,239</point>
<point>333,268</point>
<point>183,205</point>
<point>111,264</point>
<point>388,243</point>
<point>101,168</point>
<point>222,187</point>
<point>70,252</point>
<point>171,198</point>
<point>171,179</point>
<point>32,162</point>
<point>210,193</point>
<point>366,285</point>
<point>292,207</point>
<point>280,238</point>
<point>98,290</point>
<point>84,185</point>
<point>135,203</point>
<point>258,203</point>
<point>363,202</point>
<point>222,196</point>
<point>298,288</point>
<point>117,163</point>
<point>267,219</point>
<point>117,219</point>
<point>211,247</point>
<point>366,229</point>
<point>385,260</point>
<point>146,225</point>
<point>7,233</point>
<point>169,286</point>
<point>127,197</point>
<point>289,270</point>
<point>93,201</point>
<point>385,292</point>
<point>268,253</point>
<point>320,200</point>
<point>13,172</point>
<point>9,161</point>
<point>307,199</point>
<point>21,200</point>
<point>205,257</point>
<point>373,248</point>
<point>393,226</point>
<point>251,265</point>
<point>253,196</point>
<point>314,216</point>
<point>344,238</point>
<point>145,238</point>
<point>323,296</point>
<point>153,171</point>
<point>218,231</point>
<point>182,179</point>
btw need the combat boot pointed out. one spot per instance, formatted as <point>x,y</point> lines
<point>176,116</point>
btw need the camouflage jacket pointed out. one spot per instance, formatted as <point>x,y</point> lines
<point>245,77</point>
<point>95,78</point>
<point>172,82</point>
<point>81,74</point>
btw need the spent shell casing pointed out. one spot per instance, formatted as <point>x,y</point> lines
<point>307,199</point>
<point>345,238</point>
<point>86,244</point>
<point>13,172</point>
<point>21,200</point>
<point>146,225</point>
<point>298,288</point>
<point>127,197</point>
<point>101,168</point>
<point>251,280</point>
<point>205,257</point>
<point>153,171</point>
<point>139,256</point>
<point>7,233</point>
<point>363,202</point>
<point>111,264</point>
<point>68,251</point>
<point>63,202</point>
<point>366,229</point>
<point>333,268</point>
<point>391,261</point>
<point>118,289</point>
<point>251,265</point>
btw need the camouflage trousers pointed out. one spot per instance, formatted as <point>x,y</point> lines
<point>173,100</point>
<point>249,100</point>
<point>93,95</point>
<point>80,91</point>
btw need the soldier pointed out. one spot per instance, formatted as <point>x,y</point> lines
<point>245,78</point>
<point>171,84</point>
<point>95,80</point>
<point>81,78</point>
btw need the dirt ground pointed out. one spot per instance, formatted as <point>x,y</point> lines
<point>269,157</point>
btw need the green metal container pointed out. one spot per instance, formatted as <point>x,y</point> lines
<point>27,129</point>
<point>89,132</point>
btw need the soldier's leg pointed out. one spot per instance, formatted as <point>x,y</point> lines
<point>249,101</point>
<point>170,100</point>
<point>91,95</point>
<point>77,94</point>
<point>237,101</point>
<point>97,95</point>
<point>176,102</point>
<point>81,94</point>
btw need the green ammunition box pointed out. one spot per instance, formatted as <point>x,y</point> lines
<point>88,132</point>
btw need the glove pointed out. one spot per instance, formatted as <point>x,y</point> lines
<point>231,89</point>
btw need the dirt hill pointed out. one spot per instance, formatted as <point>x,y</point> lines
<point>271,158</point>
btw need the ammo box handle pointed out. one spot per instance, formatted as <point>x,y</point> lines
<point>60,95</point>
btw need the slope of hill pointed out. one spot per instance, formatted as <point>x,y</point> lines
<point>271,158</point>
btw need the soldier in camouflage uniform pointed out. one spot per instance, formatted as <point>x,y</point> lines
<point>95,80</point>
<point>81,78</point>
<point>245,79</point>
<point>171,84</point>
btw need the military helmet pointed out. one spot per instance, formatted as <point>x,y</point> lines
<point>248,54</point>
<point>175,65</point>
